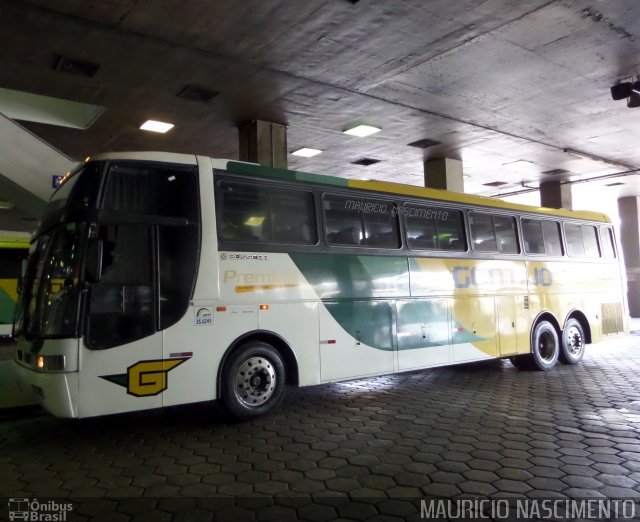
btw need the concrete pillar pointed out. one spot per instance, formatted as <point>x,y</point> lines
<point>444,173</point>
<point>630,239</point>
<point>265,143</point>
<point>553,194</point>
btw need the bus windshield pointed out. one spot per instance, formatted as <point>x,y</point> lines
<point>49,301</point>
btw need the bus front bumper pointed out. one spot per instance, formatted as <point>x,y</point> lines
<point>55,392</point>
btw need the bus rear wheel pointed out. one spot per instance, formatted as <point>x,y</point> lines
<point>573,342</point>
<point>545,346</point>
<point>253,381</point>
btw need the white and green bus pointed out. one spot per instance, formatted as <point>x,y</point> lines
<point>159,279</point>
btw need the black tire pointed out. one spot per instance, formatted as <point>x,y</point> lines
<point>522,362</point>
<point>545,346</point>
<point>253,381</point>
<point>573,342</point>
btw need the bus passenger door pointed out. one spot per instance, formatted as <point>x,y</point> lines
<point>121,365</point>
<point>355,339</point>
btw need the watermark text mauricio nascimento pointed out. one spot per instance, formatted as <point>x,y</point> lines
<point>377,207</point>
<point>552,509</point>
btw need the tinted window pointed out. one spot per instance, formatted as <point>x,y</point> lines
<point>431,228</point>
<point>606,240</point>
<point>122,304</point>
<point>355,221</point>
<point>575,247</point>
<point>256,213</point>
<point>142,188</point>
<point>493,233</point>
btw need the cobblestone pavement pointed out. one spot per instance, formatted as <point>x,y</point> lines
<point>365,449</point>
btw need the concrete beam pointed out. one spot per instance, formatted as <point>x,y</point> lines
<point>265,143</point>
<point>553,194</point>
<point>444,173</point>
<point>629,209</point>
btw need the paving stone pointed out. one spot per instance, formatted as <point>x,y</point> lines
<point>467,436</point>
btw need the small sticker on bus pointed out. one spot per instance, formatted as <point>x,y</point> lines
<point>204,316</point>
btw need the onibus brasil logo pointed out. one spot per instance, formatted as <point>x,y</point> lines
<point>38,511</point>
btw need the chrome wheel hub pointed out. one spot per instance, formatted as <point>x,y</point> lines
<point>574,341</point>
<point>255,381</point>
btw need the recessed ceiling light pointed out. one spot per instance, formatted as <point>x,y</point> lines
<point>306,152</point>
<point>156,126</point>
<point>495,184</point>
<point>361,130</point>
<point>616,184</point>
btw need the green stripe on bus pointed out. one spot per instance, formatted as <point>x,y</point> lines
<point>349,286</point>
<point>284,174</point>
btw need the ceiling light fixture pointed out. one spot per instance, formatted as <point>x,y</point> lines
<point>306,152</point>
<point>156,126</point>
<point>361,130</point>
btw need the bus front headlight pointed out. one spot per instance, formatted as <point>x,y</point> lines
<point>51,363</point>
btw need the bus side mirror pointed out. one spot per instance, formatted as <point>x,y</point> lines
<point>93,261</point>
<point>23,273</point>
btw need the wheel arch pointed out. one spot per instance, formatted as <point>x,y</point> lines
<point>584,322</point>
<point>266,336</point>
<point>546,316</point>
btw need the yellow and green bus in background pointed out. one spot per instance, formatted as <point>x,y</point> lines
<point>158,279</point>
<point>14,249</point>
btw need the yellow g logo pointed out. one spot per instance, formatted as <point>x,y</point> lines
<point>146,378</point>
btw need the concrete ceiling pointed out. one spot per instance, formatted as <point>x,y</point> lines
<point>514,89</point>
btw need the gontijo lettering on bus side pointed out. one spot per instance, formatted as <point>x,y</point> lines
<point>477,276</point>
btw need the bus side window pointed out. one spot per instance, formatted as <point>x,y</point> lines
<point>506,234</point>
<point>434,228</point>
<point>483,235</point>
<point>573,234</point>
<point>257,214</point>
<point>590,241</point>
<point>355,221</point>
<point>552,240</point>
<point>292,216</point>
<point>532,236</point>
<point>606,242</point>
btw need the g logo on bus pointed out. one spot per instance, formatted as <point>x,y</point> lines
<point>146,378</point>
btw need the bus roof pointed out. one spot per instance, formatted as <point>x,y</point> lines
<point>407,190</point>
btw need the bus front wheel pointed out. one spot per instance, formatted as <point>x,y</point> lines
<point>545,346</point>
<point>253,380</point>
<point>573,342</point>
